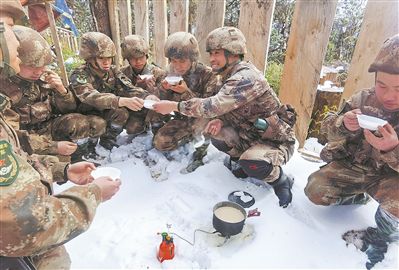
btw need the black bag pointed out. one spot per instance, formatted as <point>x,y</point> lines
<point>16,263</point>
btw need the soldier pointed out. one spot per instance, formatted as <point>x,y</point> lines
<point>199,81</point>
<point>245,100</point>
<point>363,163</point>
<point>35,224</point>
<point>103,91</point>
<point>142,74</point>
<point>43,103</point>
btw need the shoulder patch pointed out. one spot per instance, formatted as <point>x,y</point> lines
<point>9,167</point>
<point>82,79</point>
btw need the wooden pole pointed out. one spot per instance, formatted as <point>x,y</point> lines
<point>256,24</point>
<point>125,17</point>
<point>114,23</point>
<point>60,58</point>
<point>210,16</point>
<point>141,18</point>
<point>160,32</point>
<point>379,23</point>
<point>178,16</point>
<point>307,46</point>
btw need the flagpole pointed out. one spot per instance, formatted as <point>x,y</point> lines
<point>60,58</point>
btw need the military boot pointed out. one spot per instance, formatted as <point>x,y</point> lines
<point>108,140</point>
<point>198,155</point>
<point>362,198</point>
<point>86,150</point>
<point>282,188</point>
<point>232,164</point>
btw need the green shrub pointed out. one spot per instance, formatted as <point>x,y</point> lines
<point>274,72</point>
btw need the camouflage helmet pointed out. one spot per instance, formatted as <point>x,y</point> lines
<point>134,46</point>
<point>96,44</point>
<point>387,59</point>
<point>13,8</point>
<point>33,50</point>
<point>230,39</point>
<point>182,45</point>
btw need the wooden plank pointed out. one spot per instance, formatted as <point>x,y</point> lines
<point>57,45</point>
<point>125,17</point>
<point>160,32</point>
<point>210,16</point>
<point>307,45</point>
<point>114,23</point>
<point>178,16</point>
<point>141,18</point>
<point>256,24</point>
<point>379,23</point>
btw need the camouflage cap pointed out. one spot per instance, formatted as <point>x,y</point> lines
<point>96,44</point>
<point>12,8</point>
<point>387,59</point>
<point>230,39</point>
<point>134,46</point>
<point>33,50</point>
<point>182,45</point>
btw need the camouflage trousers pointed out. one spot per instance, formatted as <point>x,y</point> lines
<point>56,258</point>
<point>177,132</point>
<point>338,180</point>
<point>241,149</point>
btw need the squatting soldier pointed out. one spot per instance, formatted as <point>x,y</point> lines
<point>103,91</point>
<point>363,163</point>
<point>244,97</point>
<point>43,103</point>
<point>181,48</point>
<point>142,74</point>
<point>34,224</point>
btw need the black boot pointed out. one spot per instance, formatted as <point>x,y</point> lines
<point>108,140</point>
<point>198,155</point>
<point>85,150</point>
<point>234,167</point>
<point>282,188</point>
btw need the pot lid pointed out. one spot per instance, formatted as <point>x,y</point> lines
<point>242,198</point>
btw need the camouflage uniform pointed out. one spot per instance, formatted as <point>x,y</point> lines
<point>34,223</point>
<point>356,170</point>
<point>99,93</point>
<point>200,80</point>
<point>44,112</point>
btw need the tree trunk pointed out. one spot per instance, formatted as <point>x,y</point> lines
<point>101,15</point>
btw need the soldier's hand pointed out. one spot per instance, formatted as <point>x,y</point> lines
<point>165,106</point>
<point>152,97</point>
<point>179,88</point>
<point>55,82</point>
<point>350,120</point>
<point>387,142</point>
<point>132,103</point>
<point>213,127</point>
<point>80,172</point>
<point>148,83</point>
<point>108,187</point>
<point>165,85</point>
<point>66,148</point>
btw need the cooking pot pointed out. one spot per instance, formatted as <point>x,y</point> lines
<point>229,218</point>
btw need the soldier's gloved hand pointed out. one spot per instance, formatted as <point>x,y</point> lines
<point>165,106</point>
<point>80,172</point>
<point>108,187</point>
<point>55,82</point>
<point>132,103</point>
<point>66,148</point>
<point>152,97</point>
<point>350,120</point>
<point>213,127</point>
<point>387,142</point>
<point>179,88</point>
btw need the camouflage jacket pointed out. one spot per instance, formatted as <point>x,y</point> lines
<point>352,147</point>
<point>36,105</point>
<point>244,97</point>
<point>158,73</point>
<point>31,220</point>
<point>96,93</point>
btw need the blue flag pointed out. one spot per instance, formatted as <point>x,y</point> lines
<point>66,15</point>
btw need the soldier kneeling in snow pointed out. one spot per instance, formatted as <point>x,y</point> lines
<point>364,163</point>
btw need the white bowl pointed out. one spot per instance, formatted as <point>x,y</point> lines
<point>370,122</point>
<point>146,76</point>
<point>173,80</point>
<point>112,172</point>
<point>148,103</point>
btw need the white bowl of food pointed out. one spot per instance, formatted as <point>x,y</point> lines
<point>112,172</point>
<point>173,80</point>
<point>146,76</point>
<point>370,122</point>
<point>148,103</point>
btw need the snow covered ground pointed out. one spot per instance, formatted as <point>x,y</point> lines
<point>124,232</point>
